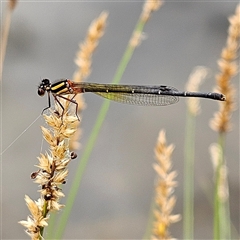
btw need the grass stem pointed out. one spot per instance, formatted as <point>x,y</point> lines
<point>188,216</point>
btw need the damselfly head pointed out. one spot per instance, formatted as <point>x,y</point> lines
<point>44,86</point>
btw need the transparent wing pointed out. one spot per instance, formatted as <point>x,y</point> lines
<point>139,98</point>
<point>131,94</point>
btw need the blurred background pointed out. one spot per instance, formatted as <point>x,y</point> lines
<point>114,198</point>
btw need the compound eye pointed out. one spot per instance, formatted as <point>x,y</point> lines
<point>41,92</point>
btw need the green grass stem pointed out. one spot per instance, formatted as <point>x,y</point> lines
<point>148,231</point>
<point>51,226</point>
<point>188,205</point>
<point>222,222</point>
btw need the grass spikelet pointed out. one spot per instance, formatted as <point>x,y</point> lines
<point>195,80</point>
<point>164,198</point>
<point>86,49</point>
<point>51,173</point>
<point>149,7</point>
<point>138,35</point>
<point>36,221</point>
<point>228,69</point>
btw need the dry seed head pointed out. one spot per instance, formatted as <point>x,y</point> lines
<point>221,121</point>
<point>195,80</point>
<point>136,39</point>
<point>55,206</point>
<point>33,207</point>
<point>36,221</point>
<point>149,7</point>
<point>48,136</point>
<point>84,62</point>
<point>52,171</point>
<point>59,151</point>
<point>60,177</point>
<point>52,121</point>
<point>86,49</point>
<point>96,30</point>
<point>45,162</point>
<point>164,198</point>
<point>228,69</point>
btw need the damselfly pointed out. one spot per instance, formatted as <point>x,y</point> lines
<point>131,94</point>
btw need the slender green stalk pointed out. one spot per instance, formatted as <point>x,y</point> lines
<point>92,139</point>
<point>51,226</point>
<point>45,211</point>
<point>216,218</point>
<point>148,231</point>
<point>188,216</point>
<point>222,222</point>
<point>127,56</point>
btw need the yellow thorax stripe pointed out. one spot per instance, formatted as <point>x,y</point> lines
<point>58,86</point>
<point>65,90</point>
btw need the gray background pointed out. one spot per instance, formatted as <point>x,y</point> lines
<point>115,194</point>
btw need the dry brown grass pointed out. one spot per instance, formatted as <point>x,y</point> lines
<point>52,171</point>
<point>164,198</point>
<point>228,67</point>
